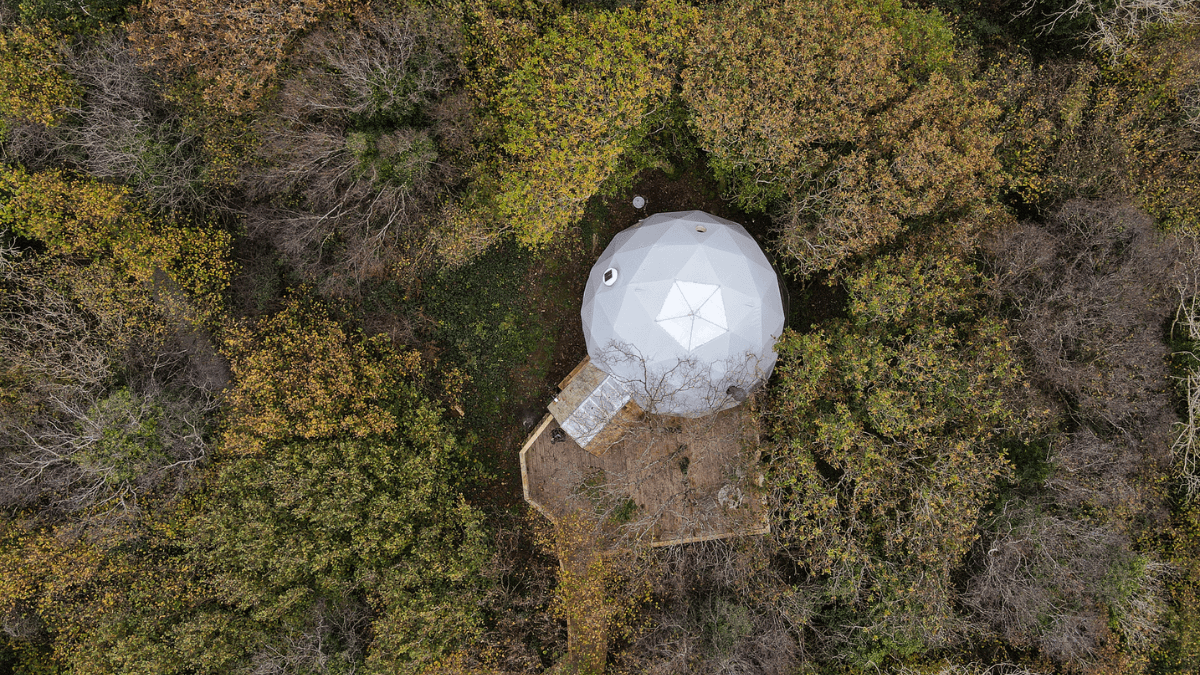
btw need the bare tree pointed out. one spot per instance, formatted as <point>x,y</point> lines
<point>1115,25</point>
<point>99,453</point>
<point>686,383</point>
<point>125,131</point>
<point>120,128</point>
<point>1186,448</point>
<point>77,441</point>
<point>349,167</point>
<point>333,640</point>
<point>522,629</point>
<point>1091,290</point>
<point>679,477</point>
<point>721,608</point>
<point>972,668</point>
<point>43,331</point>
<point>1053,581</point>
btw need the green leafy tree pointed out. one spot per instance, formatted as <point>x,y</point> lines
<point>883,464</point>
<point>329,546</point>
<point>130,603</point>
<point>377,520</point>
<point>346,490</point>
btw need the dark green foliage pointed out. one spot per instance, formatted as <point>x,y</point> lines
<point>487,326</point>
<point>88,16</point>
<point>1029,459</point>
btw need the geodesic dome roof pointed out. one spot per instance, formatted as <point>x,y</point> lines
<point>681,308</point>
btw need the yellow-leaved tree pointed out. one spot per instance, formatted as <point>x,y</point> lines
<point>298,373</point>
<point>33,84</point>
<point>572,111</point>
<point>103,224</point>
<point>234,48</point>
<point>852,121</point>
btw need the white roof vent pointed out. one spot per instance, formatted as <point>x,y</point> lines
<point>610,276</point>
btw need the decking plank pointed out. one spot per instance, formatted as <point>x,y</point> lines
<point>645,461</point>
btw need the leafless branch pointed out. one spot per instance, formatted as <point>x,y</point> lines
<point>1117,25</point>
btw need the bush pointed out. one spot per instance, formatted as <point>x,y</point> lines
<point>299,374</point>
<point>234,48</point>
<point>1075,130</point>
<point>34,86</point>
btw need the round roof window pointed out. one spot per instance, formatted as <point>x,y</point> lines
<point>610,276</point>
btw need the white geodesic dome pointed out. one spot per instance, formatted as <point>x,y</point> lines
<point>684,310</point>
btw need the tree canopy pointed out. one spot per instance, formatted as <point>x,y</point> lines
<point>285,285</point>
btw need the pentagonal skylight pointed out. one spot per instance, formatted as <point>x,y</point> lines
<point>693,313</point>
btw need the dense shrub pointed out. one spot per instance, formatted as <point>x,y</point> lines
<point>299,374</point>
<point>233,48</point>
<point>33,83</point>
<point>1119,130</point>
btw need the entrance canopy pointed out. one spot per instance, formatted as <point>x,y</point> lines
<point>683,309</point>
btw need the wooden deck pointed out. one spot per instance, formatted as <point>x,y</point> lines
<point>689,479</point>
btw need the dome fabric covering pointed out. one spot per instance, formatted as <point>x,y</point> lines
<point>694,309</point>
